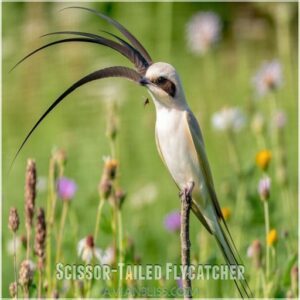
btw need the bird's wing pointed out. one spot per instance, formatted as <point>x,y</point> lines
<point>193,130</point>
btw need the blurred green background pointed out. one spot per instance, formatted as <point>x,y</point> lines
<point>250,35</point>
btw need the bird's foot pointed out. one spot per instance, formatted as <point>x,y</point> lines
<point>187,190</point>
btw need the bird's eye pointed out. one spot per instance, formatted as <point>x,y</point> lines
<point>160,80</point>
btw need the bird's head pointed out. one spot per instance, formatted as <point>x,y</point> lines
<point>164,84</point>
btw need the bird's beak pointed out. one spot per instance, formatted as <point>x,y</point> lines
<point>144,81</point>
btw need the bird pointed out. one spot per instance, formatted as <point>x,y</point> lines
<point>178,136</point>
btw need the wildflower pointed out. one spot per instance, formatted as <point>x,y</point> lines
<point>264,186</point>
<point>105,188</point>
<point>172,221</point>
<point>226,212</point>
<point>55,294</point>
<point>10,246</point>
<point>231,119</point>
<point>110,168</point>
<point>279,119</point>
<point>40,237</point>
<point>120,196</point>
<point>268,78</point>
<point>263,159</point>
<point>272,237</point>
<point>30,192</point>
<point>66,188</point>
<point>254,251</point>
<point>203,31</point>
<point>13,288</point>
<point>26,273</point>
<point>257,123</point>
<point>13,220</point>
<point>86,249</point>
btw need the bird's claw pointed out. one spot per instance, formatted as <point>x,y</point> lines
<point>187,190</point>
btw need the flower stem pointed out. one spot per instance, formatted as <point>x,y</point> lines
<point>121,254</point>
<point>233,153</point>
<point>40,284</point>
<point>15,264</point>
<point>28,232</point>
<point>99,212</point>
<point>61,229</point>
<point>50,217</point>
<point>267,228</point>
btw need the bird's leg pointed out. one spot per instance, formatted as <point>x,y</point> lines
<point>186,201</point>
<point>187,190</point>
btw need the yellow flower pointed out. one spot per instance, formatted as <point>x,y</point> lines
<point>226,212</point>
<point>263,159</point>
<point>272,237</point>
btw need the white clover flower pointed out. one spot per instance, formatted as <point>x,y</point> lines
<point>268,78</point>
<point>231,118</point>
<point>86,249</point>
<point>203,31</point>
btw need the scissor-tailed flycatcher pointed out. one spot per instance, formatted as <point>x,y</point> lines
<point>178,135</point>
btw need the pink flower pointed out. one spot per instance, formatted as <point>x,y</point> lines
<point>203,31</point>
<point>264,186</point>
<point>66,188</point>
<point>268,78</point>
<point>172,221</point>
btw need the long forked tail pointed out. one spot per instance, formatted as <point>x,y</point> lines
<point>232,258</point>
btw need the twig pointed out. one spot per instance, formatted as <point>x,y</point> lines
<point>186,201</point>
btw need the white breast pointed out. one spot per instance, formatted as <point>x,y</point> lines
<point>175,146</point>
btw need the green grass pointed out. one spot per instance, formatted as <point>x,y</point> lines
<point>78,125</point>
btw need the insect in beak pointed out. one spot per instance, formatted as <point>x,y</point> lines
<point>146,102</point>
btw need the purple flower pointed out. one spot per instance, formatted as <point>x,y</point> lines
<point>264,186</point>
<point>268,78</point>
<point>172,221</point>
<point>279,119</point>
<point>66,188</point>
